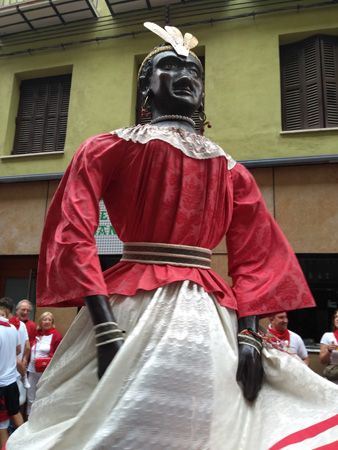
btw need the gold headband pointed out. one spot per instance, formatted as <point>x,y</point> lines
<point>164,49</point>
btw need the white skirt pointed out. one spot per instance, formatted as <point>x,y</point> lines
<point>173,386</point>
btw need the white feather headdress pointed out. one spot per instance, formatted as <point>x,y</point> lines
<point>174,37</point>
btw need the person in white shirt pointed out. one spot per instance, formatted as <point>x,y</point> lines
<point>329,345</point>
<point>294,343</point>
<point>23,357</point>
<point>9,349</point>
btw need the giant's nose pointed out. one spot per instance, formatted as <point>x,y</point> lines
<point>183,77</point>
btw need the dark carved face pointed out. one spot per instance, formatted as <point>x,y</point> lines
<point>176,84</point>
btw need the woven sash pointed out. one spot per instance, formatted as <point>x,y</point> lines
<point>175,255</point>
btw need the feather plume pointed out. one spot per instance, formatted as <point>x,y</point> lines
<point>177,40</point>
<point>173,36</point>
<point>157,30</point>
<point>189,41</point>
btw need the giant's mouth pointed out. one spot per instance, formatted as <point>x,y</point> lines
<point>182,90</point>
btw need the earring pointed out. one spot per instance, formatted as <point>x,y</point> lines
<point>203,118</point>
<point>144,112</point>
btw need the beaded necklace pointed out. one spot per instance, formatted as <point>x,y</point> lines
<point>173,117</point>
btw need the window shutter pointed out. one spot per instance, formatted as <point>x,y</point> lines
<point>42,115</point>
<point>301,85</point>
<point>314,117</point>
<point>24,124</point>
<point>291,87</point>
<point>329,59</point>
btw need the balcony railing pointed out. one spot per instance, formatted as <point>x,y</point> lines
<point>15,2</point>
<point>26,15</point>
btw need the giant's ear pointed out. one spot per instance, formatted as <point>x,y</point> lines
<point>143,86</point>
<point>201,107</point>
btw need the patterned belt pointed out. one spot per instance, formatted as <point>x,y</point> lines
<point>175,255</point>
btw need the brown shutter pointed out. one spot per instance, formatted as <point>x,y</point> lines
<point>329,59</point>
<point>313,116</point>
<point>301,87</point>
<point>291,87</point>
<point>42,115</point>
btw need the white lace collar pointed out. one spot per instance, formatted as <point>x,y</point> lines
<point>191,144</point>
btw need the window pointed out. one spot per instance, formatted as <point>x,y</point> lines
<point>309,77</point>
<point>41,122</point>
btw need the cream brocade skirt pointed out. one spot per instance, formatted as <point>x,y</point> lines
<point>172,385</point>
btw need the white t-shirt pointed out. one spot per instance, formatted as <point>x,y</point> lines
<point>296,345</point>
<point>40,349</point>
<point>326,339</point>
<point>23,337</point>
<point>9,340</point>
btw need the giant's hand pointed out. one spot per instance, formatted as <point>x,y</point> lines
<point>109,338</point>
<point>105,355</point>
<point>250,369</point>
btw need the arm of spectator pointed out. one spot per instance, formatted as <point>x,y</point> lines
<point>26,353</point>
<point>306,360</point>
<point>20,367</point>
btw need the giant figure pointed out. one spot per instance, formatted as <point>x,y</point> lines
<point>164,350</point>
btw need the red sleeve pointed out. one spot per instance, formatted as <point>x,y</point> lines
<point>266,274</point>
<point>69,267</point>
<point>56,339</point>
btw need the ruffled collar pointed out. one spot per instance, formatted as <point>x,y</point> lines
<point>191,144</point>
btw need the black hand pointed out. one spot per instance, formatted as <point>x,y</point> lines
<point>250,369</point>
<point>100,312</point>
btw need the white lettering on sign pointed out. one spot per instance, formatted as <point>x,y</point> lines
<point>107,241</point>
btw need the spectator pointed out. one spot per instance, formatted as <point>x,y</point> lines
<point>23,309</point>
<point>4,418</point>
<point>23,357</point>
<point>9,392</point>
<point>329,346</point>
<point>279,328</point>
<point>46,342</point>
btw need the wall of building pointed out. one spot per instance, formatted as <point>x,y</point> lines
<point>243,85</point>
<point>242,88</point>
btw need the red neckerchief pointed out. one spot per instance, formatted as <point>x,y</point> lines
<point>336,334</point>
<point>4,323</point>
<point>15,321</point>
<point>283,335</point>
<point>45,333</point>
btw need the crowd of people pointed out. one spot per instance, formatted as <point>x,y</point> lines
<point>20,349</point>
<point>21,344</point>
